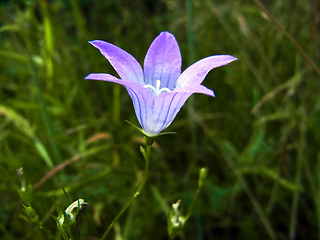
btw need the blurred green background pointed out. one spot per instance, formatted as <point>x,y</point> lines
<point>63,138</point>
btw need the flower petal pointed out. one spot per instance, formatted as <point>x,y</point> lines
<point>196,89</point>
<point>166,107</point>
<point>125,64</point>
<point>163,61</point>
<point>195,74</point>
<point>141,97</point>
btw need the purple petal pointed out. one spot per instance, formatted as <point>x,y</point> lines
<point>166,107</point>
<point>195,74</point>
<point>195,89</point>
<point>141,97</point>
<point>163,61</point>
<point>125,64</point>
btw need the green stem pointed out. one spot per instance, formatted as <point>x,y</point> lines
<point>146,155</point>
<point>202,177</point>
<point>194,200</point>
<point>298,177</point>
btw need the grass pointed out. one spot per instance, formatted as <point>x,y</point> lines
<point>63,138</point>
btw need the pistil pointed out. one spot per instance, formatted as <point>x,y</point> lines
<point>157,89</point>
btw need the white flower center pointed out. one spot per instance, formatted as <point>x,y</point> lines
<point>157,89</point>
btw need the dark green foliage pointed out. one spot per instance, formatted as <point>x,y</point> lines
<point>259,138</point>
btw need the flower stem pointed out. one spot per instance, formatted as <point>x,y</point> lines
<point>146,154</point>
<point>190,210</point>
<point>202,177</point>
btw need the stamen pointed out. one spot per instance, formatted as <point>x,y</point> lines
<point>157,89</point>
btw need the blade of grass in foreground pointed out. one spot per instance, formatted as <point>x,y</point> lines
<point>23,125</point>
<point>41,99</point>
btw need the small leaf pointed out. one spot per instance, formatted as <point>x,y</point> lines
<point>143,151</point>
<point>43,153</point>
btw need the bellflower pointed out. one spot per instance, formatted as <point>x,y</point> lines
<point>159,90</point>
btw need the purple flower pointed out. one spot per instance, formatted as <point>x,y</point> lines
<point>160,89</point>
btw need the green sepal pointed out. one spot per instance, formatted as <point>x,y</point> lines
<point>146,134</point>
<point>164,133</point>
<point>63,220</point>
<point>30,214</point>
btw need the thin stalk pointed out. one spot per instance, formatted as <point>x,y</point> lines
<point>82,34</point>
<point>42,101</point>
<point>202,177</point>
<point>146,155</point>
<point>296,196</point>
<point>294,42</point>
<point>194,200</point>
<point>191,104</point>
<point>79,19</point>
<point>49,46</point>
